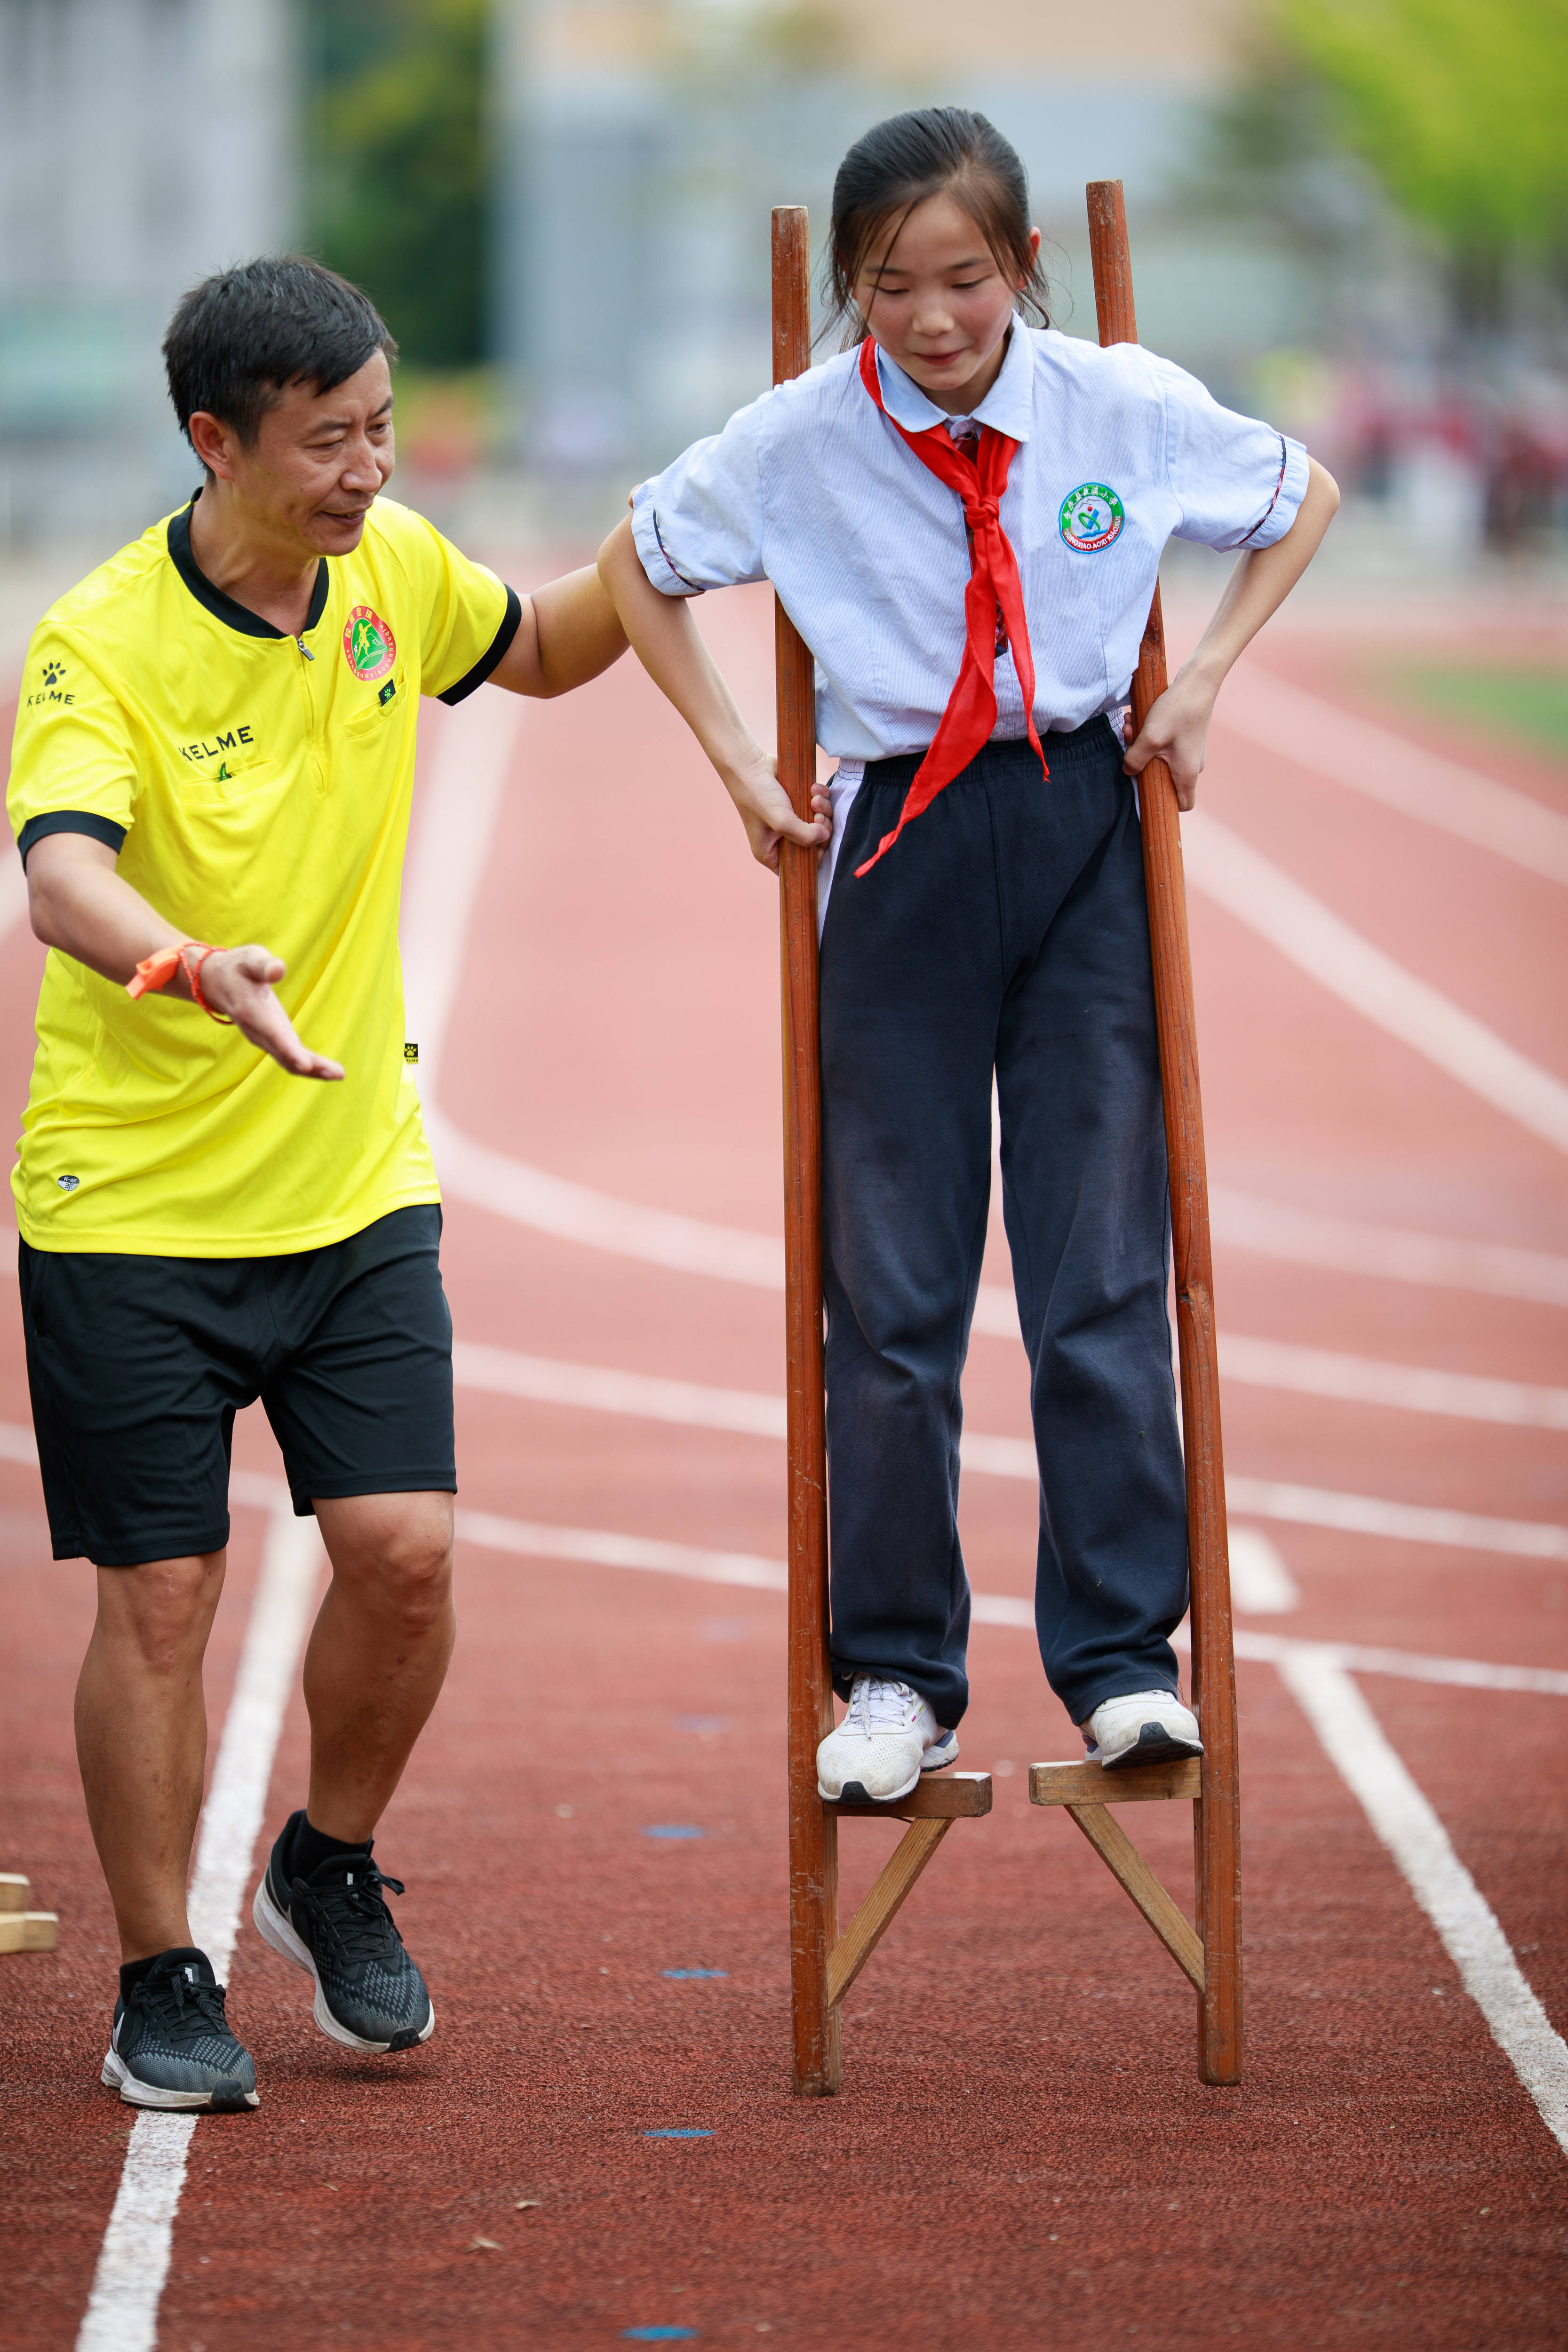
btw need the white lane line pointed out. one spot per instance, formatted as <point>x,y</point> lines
<point>1313,938</point>
<point>1260,1583</point>
<point>447,856</point>
<point>447,860</point>
<point>1413,1388</point>
<point>1403,1818</point>
<point>691,1404</point>
<point>1370,1514</point>
<point>596,1548</point>
<point>133,2263</point>
<point>1003,1457</point>
<point>544,1380</point>
<point>1387,767</point>
<point>575,1212</point>
<point>1404,1665</point>
<point>291,1566</point>
<point>1265,1363</point>
<point>601,1547</point>
<point>1394,1254</point>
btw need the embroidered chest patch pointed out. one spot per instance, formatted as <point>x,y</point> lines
<point>369,645</point>
<point>1091,517</point>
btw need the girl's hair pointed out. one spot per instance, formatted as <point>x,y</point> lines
<point>936,150</point>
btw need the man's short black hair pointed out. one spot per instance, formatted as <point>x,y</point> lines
<point>239,339</point>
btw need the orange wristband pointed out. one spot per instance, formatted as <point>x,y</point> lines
<point>194,974</point>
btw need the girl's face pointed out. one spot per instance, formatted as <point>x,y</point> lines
<point>932,293</point>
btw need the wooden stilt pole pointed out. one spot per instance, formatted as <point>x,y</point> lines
<point>1217,1815</point>
<point>812,1832</point>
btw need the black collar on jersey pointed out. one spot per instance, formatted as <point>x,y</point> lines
<point>222,607</point>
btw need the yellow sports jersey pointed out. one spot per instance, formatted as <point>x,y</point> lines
<point>257,787</point>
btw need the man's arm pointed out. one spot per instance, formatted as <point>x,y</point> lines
<point>1177,728</point>
<point>78,904</point>
<point>568,634</point>
<point>670,648</point>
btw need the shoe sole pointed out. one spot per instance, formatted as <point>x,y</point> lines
<point>1146,1751</point>
<point>854,1791</point>
<point>117,2076</point>
<point>274,1928</point>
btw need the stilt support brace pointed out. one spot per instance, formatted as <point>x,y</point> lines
<point>1088,1791</point>
<point>930,1811</point>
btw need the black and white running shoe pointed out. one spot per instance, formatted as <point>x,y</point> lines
<point>369,1994</point>
<point>1147,1727</point>
<point>170,2045</point>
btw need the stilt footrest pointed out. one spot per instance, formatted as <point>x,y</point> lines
<point>935,1796</point>
<point>1133,1784</point>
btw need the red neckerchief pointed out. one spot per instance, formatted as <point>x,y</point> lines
<point>970,719</point>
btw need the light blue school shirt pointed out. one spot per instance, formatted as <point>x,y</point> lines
<point>810,487</point>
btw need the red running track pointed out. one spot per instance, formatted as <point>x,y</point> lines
<point>1021,2158</point>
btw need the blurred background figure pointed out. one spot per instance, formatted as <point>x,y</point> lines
<point>1352,218</point>
<point>143,143</point>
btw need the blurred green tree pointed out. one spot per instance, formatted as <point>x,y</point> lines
<point>397,164</point>
<point>1460,109</point>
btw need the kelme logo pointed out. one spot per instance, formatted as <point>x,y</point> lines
<point>1091,517</point>
<point>50,689</point>
<point>369,644</point>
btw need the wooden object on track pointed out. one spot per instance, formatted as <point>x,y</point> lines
<point>1213,1959</point>
<point>22,1930</point>
<point>823,1965</point>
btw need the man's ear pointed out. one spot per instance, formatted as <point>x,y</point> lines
<point>214,444</point>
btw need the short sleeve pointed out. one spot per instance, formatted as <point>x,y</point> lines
<point>467,617</point>
<point>1237,481</point>
<point>73,766</point>
<point>698,524</point>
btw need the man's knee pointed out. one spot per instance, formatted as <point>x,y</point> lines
<point>395,1561</point>
<point>416,1578</point>
<point>162,1609</point>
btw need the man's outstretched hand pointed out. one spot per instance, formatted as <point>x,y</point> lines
<point>80,905</point>
<point>239,981</point>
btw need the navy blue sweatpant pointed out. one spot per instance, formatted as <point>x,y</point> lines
<point>1008,931</point>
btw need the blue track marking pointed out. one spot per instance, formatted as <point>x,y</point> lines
<point>672,1830</point>
<point>688,1976</point>
<point>678,2131</point>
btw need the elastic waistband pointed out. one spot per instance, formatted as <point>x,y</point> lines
<point>1077,747</point>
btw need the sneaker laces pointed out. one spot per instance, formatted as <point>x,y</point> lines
<point>352,1912</point>
<point>168,1995</point>
<point>876,1705</point>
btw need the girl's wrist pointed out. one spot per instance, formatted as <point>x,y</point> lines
<point>741,767</point>
<point>1204,671</point>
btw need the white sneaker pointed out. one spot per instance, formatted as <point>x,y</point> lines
<point>888,1738</point>
<point>1146,1728</point>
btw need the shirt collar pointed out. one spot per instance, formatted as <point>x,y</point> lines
<point>1007,407</point>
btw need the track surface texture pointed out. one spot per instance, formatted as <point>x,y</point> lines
<point>1021,2158</point>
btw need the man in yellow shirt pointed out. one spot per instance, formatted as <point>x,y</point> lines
<point>223,1187</point>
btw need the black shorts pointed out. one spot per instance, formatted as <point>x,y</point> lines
<point>137,1366</point>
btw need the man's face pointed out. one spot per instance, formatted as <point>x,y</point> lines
<point>317,463</point>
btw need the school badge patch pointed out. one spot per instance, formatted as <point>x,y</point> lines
<point>1091,517</point>
<point>369,645</point>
